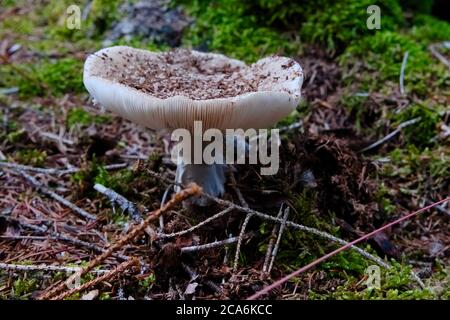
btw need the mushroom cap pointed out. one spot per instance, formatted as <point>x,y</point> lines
<point>173,89</point>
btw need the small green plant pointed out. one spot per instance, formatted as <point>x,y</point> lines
<point>421,133</point>
<point>44,78</point>
<point>396,284</point>
<point>16,136</point>
<point>79,116</point>
<point>148,281</point>
<point>24,287</point>
<point>102,14</point>
<point>340,23</point>
<point>32,157</point>
<point>235,31</point>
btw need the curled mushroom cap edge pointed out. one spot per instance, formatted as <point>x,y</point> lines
<point>276,96</point>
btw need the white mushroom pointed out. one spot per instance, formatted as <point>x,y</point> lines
<point>171,90</point>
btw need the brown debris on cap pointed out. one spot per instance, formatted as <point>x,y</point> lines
<point>173,89</point>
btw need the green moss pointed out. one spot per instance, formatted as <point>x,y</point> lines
<point>79,116</point>
<point>421,133</point>
<point>357,108</point>
<point>227,27</point>
<point>383,198</point>
<point>383,55</point>
<point>32,157</point>
<point>118,180</point>
<point>341,23</point>
<point>104,296</point>
<point>44,78</point>
<point>139,42</point>
<point>22,288</point>
<point>395,284</point>
<point>147,281</point>
<point>429,168</point>
<point>300,248</point>
<point>17,24</point>
<point>102,14</point>
<point>16,136</point>
<point>249,29</point>
<point>427,29</point>
<point>347,261</point>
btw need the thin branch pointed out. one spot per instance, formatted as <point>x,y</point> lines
<point>438,55</point>
<point>163,201</point>
<point>56,138</point>
<point>208,246</point>
<point>40,187</point>
<point>439,208</point>
<point>21,167</point>
<point>402,73</point>
<point>58,236</point>
<point>237,190</point>
<point>197,226</point>
<point>391,135</point>
<point>272,240</point>
<point>277,245</point>
<point>241,237</point>
<point>244,224</point>
<point>136,230</point>
<point>20,267</point>
<point>127,206</point>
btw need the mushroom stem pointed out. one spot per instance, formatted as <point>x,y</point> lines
<point>211,177</point>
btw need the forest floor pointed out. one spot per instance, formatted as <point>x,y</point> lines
<point>329,179</point>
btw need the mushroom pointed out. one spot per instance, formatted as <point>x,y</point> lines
<point>171,90</point>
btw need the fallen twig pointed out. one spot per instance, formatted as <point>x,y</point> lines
<point>438,55</point>
<point>163,201</point>
<point>402,73</point>
<point>241,237</point>
<point>277,244</point>
<point>136,230</point>
<point>439,208</point>
<point>21,167</point>
<point>56,138</point>
<point>208,246</point>
<point>21,267</point>
<point>391,135</point>
<point>197,226</point>
<point>126,205</point>
<point>107,276</point>
<point>272,240</point>
<point>244,224</point>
